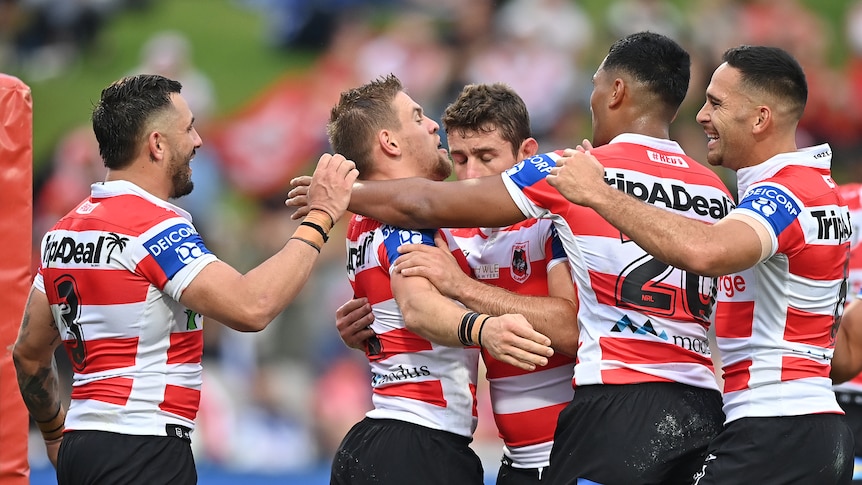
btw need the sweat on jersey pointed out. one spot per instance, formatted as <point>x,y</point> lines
<point>775,323</point>
<point>413,379</point>
<point>640,319</point>
<point>526,404</point>
<point>113,270</point>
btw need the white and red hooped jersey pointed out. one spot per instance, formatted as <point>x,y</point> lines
<point>640,320</point>
<point>113,270</point>
<point>412,379</point>
<point>775,322</point>
<point>852,195</point>
<point>525,403</point>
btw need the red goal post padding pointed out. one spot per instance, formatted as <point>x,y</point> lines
<point>16,226</point>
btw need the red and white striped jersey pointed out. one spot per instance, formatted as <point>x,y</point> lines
<point>775,322</point>
<point>113,270</point>
<point>413,379</point>
<point>525,404</point>
<point>640,319</point>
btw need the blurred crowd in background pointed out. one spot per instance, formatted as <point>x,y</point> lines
<point>282,399</point>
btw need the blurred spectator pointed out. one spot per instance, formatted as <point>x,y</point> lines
<point>625,17</point>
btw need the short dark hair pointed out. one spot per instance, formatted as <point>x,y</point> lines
<point>488,107</point>
<point>771,70</point>
<point>656,60</point>
<point>122,114</point>
<point>359,114</point>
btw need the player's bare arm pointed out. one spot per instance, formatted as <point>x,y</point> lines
<point>418,203</point>
<point>847,358</point>
<point>728,246</point>
<point>554,315</point>
<point>33,356</point>
<point>248,302</point>
<point>508,338</point>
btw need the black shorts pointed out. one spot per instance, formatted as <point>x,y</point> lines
<point>393,452</point>
<point>650,433</point>
<point>851,403</point>
<point>509,475</point>
<point>96,457</point>
<point>812,449</point>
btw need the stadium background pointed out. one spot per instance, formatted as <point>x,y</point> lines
<point>261,76</point>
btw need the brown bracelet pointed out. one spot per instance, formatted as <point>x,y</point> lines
<point>306,241</point>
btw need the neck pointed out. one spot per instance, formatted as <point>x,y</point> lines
<point>141,178</point>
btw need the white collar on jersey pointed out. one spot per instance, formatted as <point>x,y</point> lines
<point>662,144</point>
<point>113,188</point>
<point>819,156</point>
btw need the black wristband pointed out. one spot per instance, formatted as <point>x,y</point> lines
<point>465,329</point>
<point>317,228</point>
<point>482,327</point>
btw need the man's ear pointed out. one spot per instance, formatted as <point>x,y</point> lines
<point>618,94</point>
<point>764,119</point>
<point>156,146</point>
<point>388,143</point>
<point>528,148</point>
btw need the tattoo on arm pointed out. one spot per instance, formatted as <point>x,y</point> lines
<point>40,390</point>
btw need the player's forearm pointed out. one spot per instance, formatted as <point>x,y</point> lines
<point>436,319</point>
<point>671,238</point>
<point>40,390</point>
<point>551,316</point>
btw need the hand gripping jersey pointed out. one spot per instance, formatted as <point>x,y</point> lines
<point>525,403</point>
<point>852,195</point>
<point>113,270</point>
<point>776,322</point>
<point>413,379</point>
<point>640,320</point>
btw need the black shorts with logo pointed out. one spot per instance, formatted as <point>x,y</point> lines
<point>649,433</point>
<point>393,452</point>
<point>95,457</point>
<point>814,449</point>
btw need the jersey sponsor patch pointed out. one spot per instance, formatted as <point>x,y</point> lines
<point>176,247</point>
<point>394,237</point>
<point>774,204</point>
<point>531,170</point>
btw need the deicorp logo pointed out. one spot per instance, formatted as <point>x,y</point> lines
<point>175,247</point>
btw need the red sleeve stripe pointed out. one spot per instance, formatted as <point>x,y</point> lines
<point>152,272</point>
<point>430,392</point>
<point>100,287</point>
<point>182,401</point>
<point>529,427</point>
<point>186,348</point>
<point>113,390</point>
<point>375,284</point>
<point>737,376</point>
<point>105,354</point>
<point>734,319</point>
